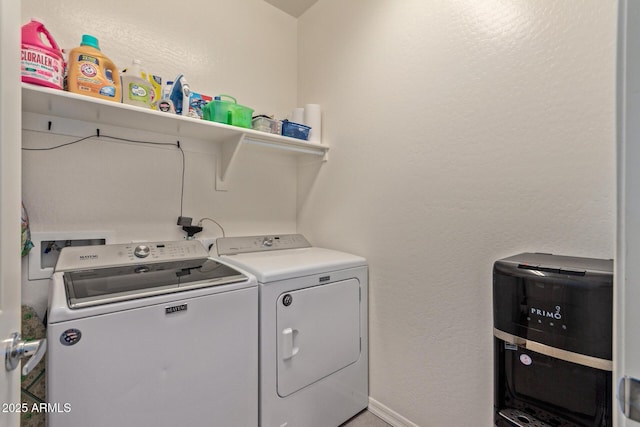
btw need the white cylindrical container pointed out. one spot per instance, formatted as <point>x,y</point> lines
<point>313,119</point>
<point>297,115</point>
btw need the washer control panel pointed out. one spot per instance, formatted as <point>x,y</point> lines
<point>241,245</point>
<point>80,257</point>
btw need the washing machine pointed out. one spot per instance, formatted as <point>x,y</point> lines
<point>153,334</point>
<point>313,328</point>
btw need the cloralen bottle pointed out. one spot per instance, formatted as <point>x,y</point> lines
<point>41,58</point>
<point>135,89</point>
<point>91,73</point>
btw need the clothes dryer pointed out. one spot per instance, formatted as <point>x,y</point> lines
<point>313,328</point>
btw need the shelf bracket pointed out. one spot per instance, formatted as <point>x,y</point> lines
<point>228,155</point>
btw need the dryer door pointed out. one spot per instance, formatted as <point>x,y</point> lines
<point>318,333</point>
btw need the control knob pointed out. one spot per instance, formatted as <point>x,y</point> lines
<point>142,251</point>
<point>267,242</point>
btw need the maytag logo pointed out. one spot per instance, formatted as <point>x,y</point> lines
<point>545,313</point>
<point>86,257</point>
<point>175,308</point>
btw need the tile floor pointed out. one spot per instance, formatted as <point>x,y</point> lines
<point>365,419</point>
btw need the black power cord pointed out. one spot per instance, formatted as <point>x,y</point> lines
<point>115,138</point>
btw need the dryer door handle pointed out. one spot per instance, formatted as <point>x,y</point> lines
<point>288,345</point>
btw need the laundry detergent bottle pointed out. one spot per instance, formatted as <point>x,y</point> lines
<point>136,90</point>
<point>41,58</point>
<point>91,73</point>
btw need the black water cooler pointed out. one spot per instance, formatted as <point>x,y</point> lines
<point>552,341</point>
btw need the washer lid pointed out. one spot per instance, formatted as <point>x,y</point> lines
<point>86,288</point>
<point>289,263</point>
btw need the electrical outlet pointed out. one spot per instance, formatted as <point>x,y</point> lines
<point>184,221</point>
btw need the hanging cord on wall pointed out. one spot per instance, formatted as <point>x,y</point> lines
<point>215,222</point>
<point>97,135</point>
<point>182,179</point>
<point>59,146</point>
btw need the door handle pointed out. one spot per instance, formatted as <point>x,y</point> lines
<point>288,350</point>
<point>629,397</point>
<point>16,350</point>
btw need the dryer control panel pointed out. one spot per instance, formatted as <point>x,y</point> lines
<point>245,244</point>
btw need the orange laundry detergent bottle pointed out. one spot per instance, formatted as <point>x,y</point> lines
<point>41,58</point>
<point>90,72</point>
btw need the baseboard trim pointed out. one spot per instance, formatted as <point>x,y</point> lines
<point>388,415</point>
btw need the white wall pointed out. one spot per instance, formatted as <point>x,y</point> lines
<point>244,48</point>
<point>460,132</point>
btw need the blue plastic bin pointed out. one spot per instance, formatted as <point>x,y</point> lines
<point>295,130</point>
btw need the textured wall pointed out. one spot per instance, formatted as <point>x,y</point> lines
<point>460,132</point>
<point>246,48</point>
